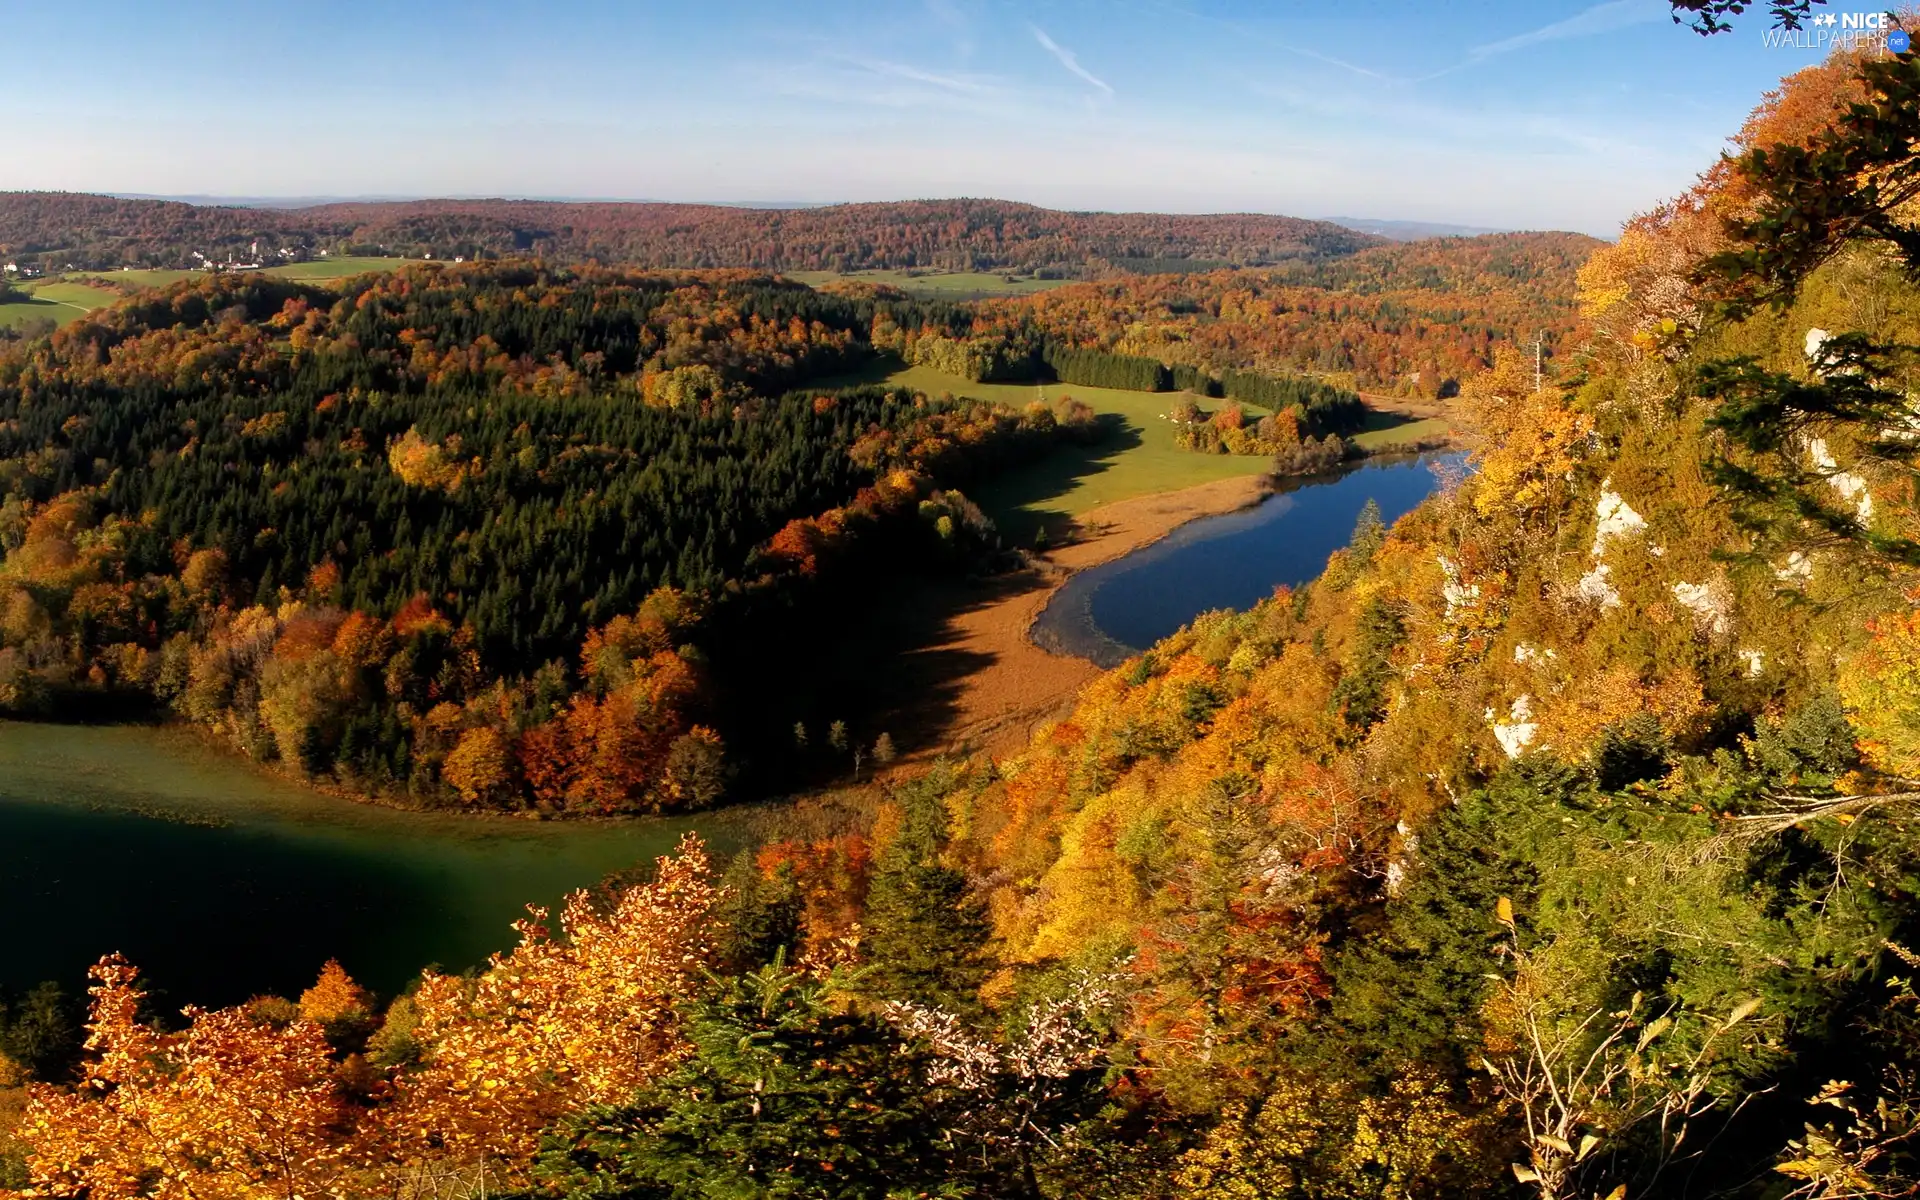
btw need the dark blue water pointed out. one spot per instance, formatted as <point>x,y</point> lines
<point>1115,610</point>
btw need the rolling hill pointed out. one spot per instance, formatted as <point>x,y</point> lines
<point>58,229</point>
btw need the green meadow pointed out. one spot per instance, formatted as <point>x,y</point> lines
<point>335,268</point>
<point>57,300</point>
<point>1385,429</point>
<point>156,277</point>
<point>315,271</point>
<point>1137,457</point>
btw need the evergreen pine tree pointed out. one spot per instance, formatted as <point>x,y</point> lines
<point>781,1095</point>
<point>40,1032</point>
<point>760,917</point>
<point>925,929</point>
<point>1369,533</point>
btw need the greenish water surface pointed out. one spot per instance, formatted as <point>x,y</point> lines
<point>221,883</point>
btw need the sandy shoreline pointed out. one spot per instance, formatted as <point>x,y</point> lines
<point>1021,684</point>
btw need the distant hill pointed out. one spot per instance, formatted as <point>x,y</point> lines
<point>1410,318</point>
<point>98,232</point>
<point>1541,263</point>
<point>1409,231</point>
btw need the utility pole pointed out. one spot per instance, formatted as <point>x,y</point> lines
<point>1538,377</point>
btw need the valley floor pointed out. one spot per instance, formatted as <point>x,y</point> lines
<point>1017,684</point>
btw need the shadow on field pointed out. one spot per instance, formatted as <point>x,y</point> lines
<point>886,659</point>
<point>1018,501</point>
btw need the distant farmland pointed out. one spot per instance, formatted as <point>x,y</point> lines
<point>58,300</point>
<point>319,269</point>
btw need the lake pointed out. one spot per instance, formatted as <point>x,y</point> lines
<point>1113,611</point>
<point>221,883</point>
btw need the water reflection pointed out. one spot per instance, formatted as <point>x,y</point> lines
<point>1113,611</point>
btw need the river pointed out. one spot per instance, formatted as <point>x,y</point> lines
<point>221,883</point>
<point>1113,611</point>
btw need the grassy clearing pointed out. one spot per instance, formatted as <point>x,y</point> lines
<point>59,301</point>
<point>138,278</point>
<point>944,285</point>
<point>25,312</point>
<point>1136,458</point>
<point>1385,429</point>
<point>335,268</point>
<point>320,269</point>
<point>83,297</point>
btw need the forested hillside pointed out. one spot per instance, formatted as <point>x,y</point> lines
<point>492,535</point>
<point>518,536</point>
<point>100,232</point>
<point>1406,319</point>
<point>1558,841</point>
<point>1411,318</point>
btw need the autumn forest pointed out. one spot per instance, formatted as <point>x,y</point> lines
<point>1557,841</point>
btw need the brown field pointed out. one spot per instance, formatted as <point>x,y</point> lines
<point>1012,685</point>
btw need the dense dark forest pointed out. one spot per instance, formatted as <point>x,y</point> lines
<point>101,232</point>
<point>494,534</point>
<point>1489,264</point>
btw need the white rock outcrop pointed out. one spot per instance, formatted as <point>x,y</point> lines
<point>1457,594</point>
<point>1816,342</point>
<point>1708,606</point>
<point>1517,732</point>
<point>1595,588</point>
<point>1616,518</point>
<point>1849,485</point>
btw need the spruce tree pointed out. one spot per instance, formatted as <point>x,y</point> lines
<point>1369,533</point>
<point>781,1095</point>
<point>926,930</point>
<point>1851,186</point>
<point>760,917</point>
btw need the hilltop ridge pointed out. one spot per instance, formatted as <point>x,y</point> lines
<point>99,232</point>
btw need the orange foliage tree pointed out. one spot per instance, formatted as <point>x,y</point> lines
<point>237,1105</point>
<point>253,1101</point>
<point>558,1023</point>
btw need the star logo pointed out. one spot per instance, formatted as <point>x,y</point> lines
<point>1825,19</point>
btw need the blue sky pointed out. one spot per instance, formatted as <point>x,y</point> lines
<point>1497,112</point>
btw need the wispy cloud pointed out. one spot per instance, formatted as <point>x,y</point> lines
<point>964,84</point>
<point>885,83</point>
<point>1244,31</point>
<point>1068,60</point>
<point>1601,18</point>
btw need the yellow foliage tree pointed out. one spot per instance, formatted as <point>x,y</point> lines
<point>479,765</point>
<point>1881,688</point>
<point>557,1024</point>
<point>1332,1141</point>
<point>427,464</point>
<point>333,995</point>
<point>1531,439</point>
